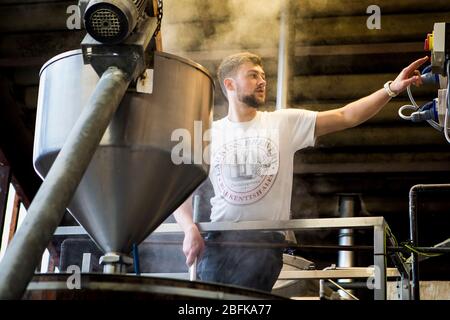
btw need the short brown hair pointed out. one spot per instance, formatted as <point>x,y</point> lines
<point>230,64</point>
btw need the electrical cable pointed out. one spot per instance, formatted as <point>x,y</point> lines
<point>415,107</point>
<point>448,104</point>
<point>429,255</point>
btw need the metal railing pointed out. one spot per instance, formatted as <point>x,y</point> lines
<point>378,272</point>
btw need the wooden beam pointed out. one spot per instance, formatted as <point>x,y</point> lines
<point>35,45</point>
<point>32,17</point>
<point>307,205</point>
<point>326,8</point>
<point>358,49</point>
<point>365,137</point>
<point>343,87</point>
<point>360,162</point>
<point>16,141</point>
<point>14,217</point>
<point>366,167</point>
<point>180,11</point>
<point>20,62</point>
<point>379,184</point>
<point>5,179</point>
<point>340,30</point>
<point>307,51</point>
<point>387,115</point>
<point>217,35</point>
<point>18,2</point>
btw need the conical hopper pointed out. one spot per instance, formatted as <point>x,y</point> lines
<point>132,184</point>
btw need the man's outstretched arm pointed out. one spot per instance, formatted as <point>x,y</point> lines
<point>193,244</point>
<point>363,109</point>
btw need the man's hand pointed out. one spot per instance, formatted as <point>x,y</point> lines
<point>408,76</point>
<point>193,244</point>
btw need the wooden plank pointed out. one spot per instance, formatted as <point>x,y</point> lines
<point>193,10</point>
<point>364,137</point>
<point>34,17</point>
<point>387,115</point>
<point>48,45</point>
<point>17,147</point>
<point>358,49</point>
<point>394,206</point>
<point>343,87</point>
<point>217,35</point>
<point>19,2</point>
<point>182,11</point>
<point>402,157</point>
<point>379,184</point>
<point>327,8</point>
<point>31,97</point>
<point>20,62</point>
<point>372,167</point>
<point>331,59</point>
<point>14,217</point>
<point>5,179</point>
<point>310,51</point>
<point>346,30</point>
<point>26,76</point>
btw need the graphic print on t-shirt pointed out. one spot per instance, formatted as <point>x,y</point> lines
<point>246,169</point>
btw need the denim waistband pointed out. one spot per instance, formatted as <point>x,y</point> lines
<point>246,235</point>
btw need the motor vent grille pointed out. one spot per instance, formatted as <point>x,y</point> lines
<point>105,23</point>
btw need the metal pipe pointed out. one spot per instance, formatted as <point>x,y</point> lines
<point>413,230</point>
<point>285,53</point>
<point>46,210</point>
<point>346,210</point>
<point>114,262</point>
<point>347,206</point>
<point>196,219</point>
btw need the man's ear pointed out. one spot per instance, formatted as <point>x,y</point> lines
<point>229,84</point>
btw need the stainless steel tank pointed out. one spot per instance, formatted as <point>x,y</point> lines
<point>131,184</point>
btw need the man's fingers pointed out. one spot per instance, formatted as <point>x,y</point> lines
<point>190,259</point>
<point>415,80</point>
<point>416,64</point>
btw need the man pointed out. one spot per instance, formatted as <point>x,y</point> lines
<point>252,155</point>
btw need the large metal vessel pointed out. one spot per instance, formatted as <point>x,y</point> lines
<point>129,287</point>
<point>131,184</point>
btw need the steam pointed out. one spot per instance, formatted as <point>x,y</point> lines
<point>211,25</point>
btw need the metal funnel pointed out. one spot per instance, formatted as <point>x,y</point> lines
<point>131,184</point>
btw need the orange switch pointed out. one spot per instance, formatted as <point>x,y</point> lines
<point>426,46</point>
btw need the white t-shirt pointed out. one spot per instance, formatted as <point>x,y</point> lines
<point>252,164</point>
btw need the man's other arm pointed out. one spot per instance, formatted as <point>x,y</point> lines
<point>193,244</point>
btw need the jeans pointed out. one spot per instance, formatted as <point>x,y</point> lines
<point>250,267</point>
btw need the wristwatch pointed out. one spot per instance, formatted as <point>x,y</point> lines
<point>391,93</point>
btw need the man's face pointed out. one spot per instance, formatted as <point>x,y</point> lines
<point>250,83</point>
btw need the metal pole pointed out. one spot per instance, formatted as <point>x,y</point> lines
<point>196,218</point>
<point>46,210</point>
<point>285,53</point>
<point>413,230</point>
<point>347,206</point>
<point>380,263</point>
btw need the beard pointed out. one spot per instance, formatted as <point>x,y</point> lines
<point>251,100</point>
